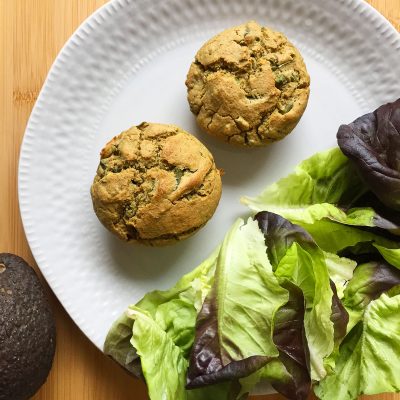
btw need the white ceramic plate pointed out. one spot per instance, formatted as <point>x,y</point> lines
<point>127,63</point>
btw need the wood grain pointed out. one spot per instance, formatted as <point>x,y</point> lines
<point>31,34</point>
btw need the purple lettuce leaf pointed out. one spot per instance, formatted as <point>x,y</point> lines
<point>234,328</point>
<point>372,142</point>
<point>290,339</point>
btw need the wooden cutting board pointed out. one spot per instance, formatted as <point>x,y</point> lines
<point>31,34</point>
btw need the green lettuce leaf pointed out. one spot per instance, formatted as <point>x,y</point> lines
<point>288,374</point>
<point>323,186</point>
<point>370,280</point>
<point>176,310</point>
<point>273,372</point>
<point>297,259</point>
<point>118,345</point>
<point>164,365</point>
<point>334,237</point>
<point>386,217</point>
<point>369,355</point>
<point>294,380</point>
<point>392,256</point>
<point>327,177</point>
<point>340,271</point>
<point>167,318</point>
<point>235,326</point>
<point>308,271</point>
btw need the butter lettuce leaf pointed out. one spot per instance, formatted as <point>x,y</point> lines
<point>119,347</point>
<point>296,258</point>
<point>289,373</point>
<point>391,255</point>
<point>324,186</point>
<point>372,142</point>
<point>340,271</point>
<point>293,380</point>
<point>368,358</point>
<point>334,237</point>
<point>326,178</point>
<point>164,365</point>
<point>309,272</point>
<point>370,280</point>
<point>169,318</point>
<point>235,326</point>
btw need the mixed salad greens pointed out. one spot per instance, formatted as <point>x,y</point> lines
<point>305,294</point>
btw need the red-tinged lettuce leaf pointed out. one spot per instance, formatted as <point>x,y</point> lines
<point>296,258</point>
<point>367,362</point>
<point>298,384</point>
<point>290,339</point>
<point>289,372</point>
<point>280,234</point>
<point>369,281</point>
<point>372,142</point>
<point>385,218</point>
<point>152,339</point>
<point>164,364</point>
<point>206,363</point>
<point>339,317</point>
<point>234,328</point>
<point>340,320</point>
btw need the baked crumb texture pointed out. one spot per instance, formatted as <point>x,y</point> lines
<point>248,85</point>
<point>156,184</point>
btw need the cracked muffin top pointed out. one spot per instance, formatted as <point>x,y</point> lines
<point>156,184</point>
<point>248,85</point>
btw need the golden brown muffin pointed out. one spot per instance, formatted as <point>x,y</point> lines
<point>156,184</point>
<point>248,85</point>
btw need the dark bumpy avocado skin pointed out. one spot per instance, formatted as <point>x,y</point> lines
<point>27,330</point>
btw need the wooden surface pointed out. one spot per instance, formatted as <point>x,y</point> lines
<point>31,34</point>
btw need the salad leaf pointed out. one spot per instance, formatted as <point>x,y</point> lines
<point>118,345</point>
<point>175,309</point>
<point>290,339</point>
<point>385,218</point>
<point>280,234</point>
<point>324,186</point>
<point>340,271</point>
<point>372,142</point>
<point>235,326</point>
<point>289,373</point>
<point>370,280</point>
<point>368,359</point>
<point>273,371</point>
<point>163,363</point>
<point>297,259</point>
<point>309,272</point>
<point>191,288</point>
<point>289,335</point>
<point>334,237</point>
<point>325,178</point>
<point>392,256</point>
<point>293,385</point>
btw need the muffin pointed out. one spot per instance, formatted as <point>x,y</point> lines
<point>248,85</point>
<point>27,330</point>
<point>156,184</point>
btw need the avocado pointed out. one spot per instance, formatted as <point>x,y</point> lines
<point>27,330</point>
